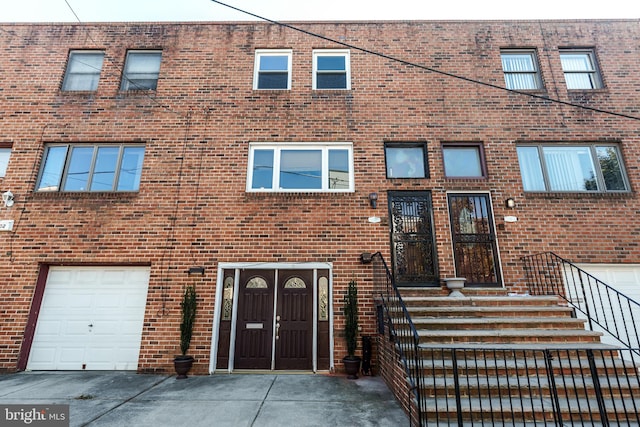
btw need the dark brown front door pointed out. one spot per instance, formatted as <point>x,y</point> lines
<point>290,327</point>
<point>294,320</point>
<point>474,239</point>
<point>254,326</point>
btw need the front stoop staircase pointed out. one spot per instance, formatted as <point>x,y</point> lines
<point>494,359</point>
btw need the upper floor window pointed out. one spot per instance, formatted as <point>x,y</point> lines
<point>580,70</point>
<point>87,167</point>
<point>521,71</point>
<point>589,168</point>
<point>83,70</point>
<point>141,70</point>
<point>331,69</point>
<point>5,153</point>
<point>406,160</point>
<point>463,160</point>
<point>300,167</point>
<point>272,69</point>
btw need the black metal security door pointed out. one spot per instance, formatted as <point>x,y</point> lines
<point>474,239</point>
<point>412,238</point>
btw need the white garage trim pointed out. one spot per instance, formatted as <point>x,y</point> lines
<point>90,318</point>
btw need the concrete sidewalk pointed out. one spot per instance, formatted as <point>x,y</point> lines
<point>221,400</point>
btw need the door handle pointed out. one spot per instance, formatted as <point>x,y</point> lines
<point>91,325</point>
<point>278,329</point>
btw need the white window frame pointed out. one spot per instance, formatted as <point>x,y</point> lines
<point>332,52</point>
<point>593,72</point>
<point>535,72</point>
<point>129,79</point>
<point>278,148</point>
<point>5,156</point>
<point>76,55</point>
<point>260,53</point>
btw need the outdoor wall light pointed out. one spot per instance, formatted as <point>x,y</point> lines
<point>7,198</point>
<point>196,270</point>
<point>510,203</point>
<point>373,200</point>
<point>366,257</point>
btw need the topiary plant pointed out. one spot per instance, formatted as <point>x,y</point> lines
<point>188,311</point>
<point>351,318</point>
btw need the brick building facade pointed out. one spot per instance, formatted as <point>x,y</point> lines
<point>138,151</point>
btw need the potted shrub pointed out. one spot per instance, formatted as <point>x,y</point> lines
<point>182,363</point>
<point>351,361</point>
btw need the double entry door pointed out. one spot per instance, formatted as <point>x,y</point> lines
<point>274,326</point>
<point>414,253</point>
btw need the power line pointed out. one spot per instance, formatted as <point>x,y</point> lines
<point>426,68</point>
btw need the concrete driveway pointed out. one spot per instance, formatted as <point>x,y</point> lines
<point>257,400</point>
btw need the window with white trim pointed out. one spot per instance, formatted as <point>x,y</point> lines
<point>272,69</point>
<point>90,167</point>
<point>141,70</point>
<point>331,69</point>
<point>572,168</point>
<point>83,70</point>
<point>521,70</point>
<point>5,153</point>
<point>580,70</point>
<point>300,167</point>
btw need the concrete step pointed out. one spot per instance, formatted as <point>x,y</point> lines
<point>496,323</point>
<point>491,311</point>
<point>509,336</point>
<point>440,363</point>
<point>481,301</point>
<point>440,291</point>
<point>523,386</point>
<point>574,411</point>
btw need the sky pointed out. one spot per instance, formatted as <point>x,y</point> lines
<point>305,10</point>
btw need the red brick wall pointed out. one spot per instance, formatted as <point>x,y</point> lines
<point>192,207</point>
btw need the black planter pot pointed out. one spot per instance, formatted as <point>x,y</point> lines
<point>182,365</point>
<point>352,366</point>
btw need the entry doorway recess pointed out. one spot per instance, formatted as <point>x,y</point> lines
<point>413,248</point>
<point>473,236</point>
<point>275,318</point>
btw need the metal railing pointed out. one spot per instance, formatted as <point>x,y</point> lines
<point>402,331</point>
<point>510,384</point>
<point>605,308</point>
<point>532,385</point>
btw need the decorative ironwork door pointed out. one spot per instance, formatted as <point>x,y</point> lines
<point>474,239</point>
<point>412,238</point>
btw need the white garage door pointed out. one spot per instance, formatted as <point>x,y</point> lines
<point>625,278</point>
<point>91,318</point>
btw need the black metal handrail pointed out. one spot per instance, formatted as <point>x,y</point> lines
<point>612,311</point>
<point>401,329</point>
<point>528,385</point>
<point>511,384</point>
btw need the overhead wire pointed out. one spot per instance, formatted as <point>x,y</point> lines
<point>427,68</point>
